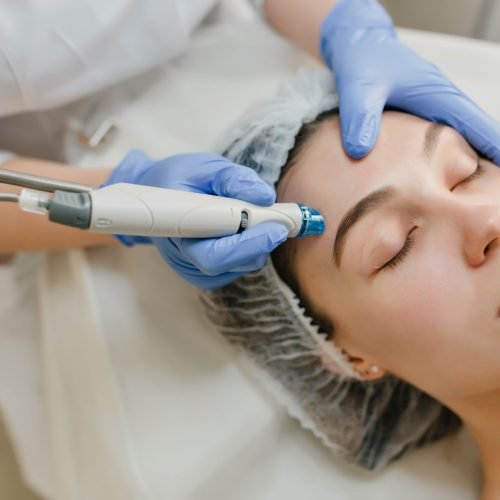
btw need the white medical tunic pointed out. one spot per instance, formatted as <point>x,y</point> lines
<point>55,53</point>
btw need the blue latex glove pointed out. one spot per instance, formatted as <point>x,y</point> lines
<point>215,262</point>
<point>374,69</point>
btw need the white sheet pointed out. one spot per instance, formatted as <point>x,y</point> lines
<point>181,418</point>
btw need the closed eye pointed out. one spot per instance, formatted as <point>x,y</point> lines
<point>410,240</point>
<point>405,250</point>
<point>480,169</point>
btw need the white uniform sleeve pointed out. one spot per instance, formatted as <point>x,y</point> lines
<point>56,51</point>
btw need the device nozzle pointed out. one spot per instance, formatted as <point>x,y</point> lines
<point>312,222</point>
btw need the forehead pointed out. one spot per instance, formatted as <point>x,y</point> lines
<point>324,173</point>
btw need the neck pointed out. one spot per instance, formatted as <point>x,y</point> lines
<point>481,415</point>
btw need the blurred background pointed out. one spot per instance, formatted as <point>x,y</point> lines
<point>470,18</point>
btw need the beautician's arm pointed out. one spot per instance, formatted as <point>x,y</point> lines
<point>207,263</point>
<point>22,231</point>
<point>299,20</point>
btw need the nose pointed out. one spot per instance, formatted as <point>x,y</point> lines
<point>481,224</point>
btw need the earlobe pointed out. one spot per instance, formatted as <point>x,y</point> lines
<point>367,370</point>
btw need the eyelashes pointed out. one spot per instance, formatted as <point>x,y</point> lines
<point>405,250</point>
<point>480,169</point>
<point>410,239</point>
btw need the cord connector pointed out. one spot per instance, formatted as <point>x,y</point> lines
<point>70,209</point>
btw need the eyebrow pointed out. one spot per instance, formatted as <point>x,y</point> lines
<point>377,199</point>
<point>431,139</point>
<point>366,205</point>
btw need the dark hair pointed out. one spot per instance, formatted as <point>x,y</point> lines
<point>284,256</point>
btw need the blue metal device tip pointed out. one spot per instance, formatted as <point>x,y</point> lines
<point>312,222</point>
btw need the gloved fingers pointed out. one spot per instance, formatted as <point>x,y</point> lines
<point>212,282</point>
<point>241,251</point>
<point>253,265</point>
<point>479,129</point>
<point>129,240</point>
<point>361,106</point>
<point>177,259</point>
<point>208,173</point>
<point>171,251</point>
<point>130,168</point>
<point>236,181</point>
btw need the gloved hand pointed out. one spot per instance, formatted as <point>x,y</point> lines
<point>374,69</point>
<point>215,262</point>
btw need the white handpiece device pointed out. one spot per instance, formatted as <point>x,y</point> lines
<point>138,210</point>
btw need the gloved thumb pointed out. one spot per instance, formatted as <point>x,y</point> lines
<point>360,112</point>
<point>242,252</point>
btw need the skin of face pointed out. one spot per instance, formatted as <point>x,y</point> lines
<point>432,319</point>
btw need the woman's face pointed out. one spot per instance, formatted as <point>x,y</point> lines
<point>408,267</point>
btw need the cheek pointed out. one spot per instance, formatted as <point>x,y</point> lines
<point>427,296</point>
<point>419,321</point>
<point>431,296</point>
